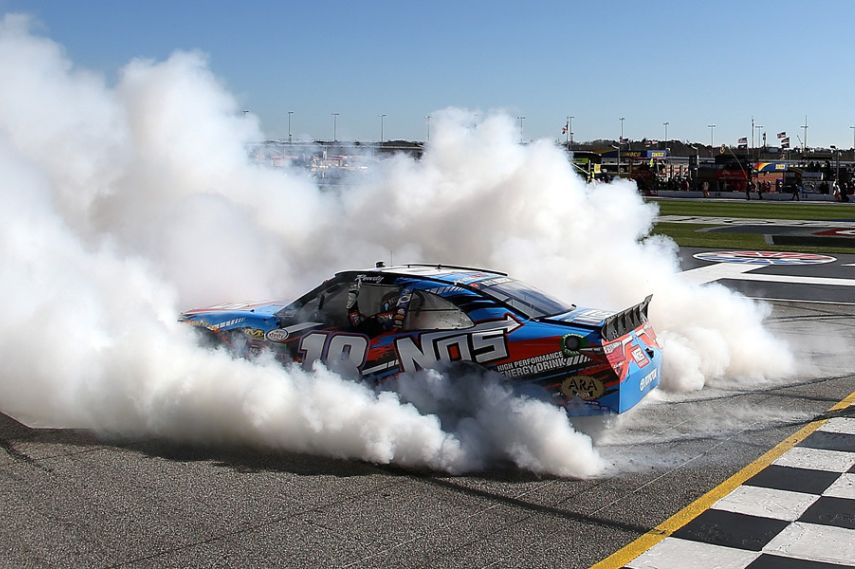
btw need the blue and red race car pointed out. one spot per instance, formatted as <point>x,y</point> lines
<point>381,322</point>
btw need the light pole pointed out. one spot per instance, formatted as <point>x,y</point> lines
<point>521,118</point>
<point>837,154</point>
<point>752,131</point>
<point>712,137</point>
<point>381,128</point>
<point>665,124</point>
<point>289,126</point>
<point>570,128</point>
<point>618,159</point>
<point>804,142</point>
<point>427,119</point>
<point>621,131</point>
<point>335,126</point>
<point>697,150</point>
<point>853,141</point>
<point>759,127</point>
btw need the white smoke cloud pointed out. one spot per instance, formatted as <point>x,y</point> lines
<point>125,204</point>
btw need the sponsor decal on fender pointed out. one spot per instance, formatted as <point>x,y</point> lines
<point>640,358</point>
<point>282,334</point>
<point>226,324</point>
<point>647,380</point>
<point>277,335</point>
<point>538,364</point>
<point>582,386</point>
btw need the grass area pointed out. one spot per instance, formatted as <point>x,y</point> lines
<point>687,235</point>
<point>757,209</point>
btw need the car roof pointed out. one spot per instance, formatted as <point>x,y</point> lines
<point>451,274</point>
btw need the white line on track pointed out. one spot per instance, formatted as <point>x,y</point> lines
<point>739,271</point>
<point>717,271</point>
<point>704,220</point>
<point>795,279</point>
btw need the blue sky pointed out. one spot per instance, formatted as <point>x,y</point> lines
<point>688,63</point>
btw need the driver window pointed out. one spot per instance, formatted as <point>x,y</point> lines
<point>431,312</point>
<point>377,298</point>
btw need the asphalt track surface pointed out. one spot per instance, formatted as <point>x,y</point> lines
<point>71,499</point>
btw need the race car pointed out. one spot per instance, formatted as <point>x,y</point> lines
<point>376,324</point>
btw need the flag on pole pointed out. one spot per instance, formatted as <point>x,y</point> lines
<point>565,128</point>
<point>785,142</point>
<point>782,135</point>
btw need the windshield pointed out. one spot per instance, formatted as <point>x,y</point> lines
<point>525,298</point>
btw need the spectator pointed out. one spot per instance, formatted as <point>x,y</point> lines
<point>760,189</point>
<point>705,188</point>
<point>795,188</point>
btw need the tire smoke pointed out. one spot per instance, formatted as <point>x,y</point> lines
<point>126,203</point>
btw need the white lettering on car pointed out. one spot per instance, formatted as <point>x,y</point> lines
<point>647,380</point>
<point>335,349</point>
<point>485,342</point>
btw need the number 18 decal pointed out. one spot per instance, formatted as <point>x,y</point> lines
<point>334,349</point>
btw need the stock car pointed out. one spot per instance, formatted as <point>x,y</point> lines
<point>378,323</point>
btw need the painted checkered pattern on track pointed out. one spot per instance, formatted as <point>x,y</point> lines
<point>797,513</point>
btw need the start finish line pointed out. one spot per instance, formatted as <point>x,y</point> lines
<point>749,221</point>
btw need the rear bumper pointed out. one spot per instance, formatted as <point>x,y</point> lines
<point>639,383</point>
<point>624,395</point>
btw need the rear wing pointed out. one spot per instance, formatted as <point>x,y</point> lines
<point>621,323</point>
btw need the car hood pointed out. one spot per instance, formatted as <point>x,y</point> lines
<point>227,316</point>
<point>259,308</point>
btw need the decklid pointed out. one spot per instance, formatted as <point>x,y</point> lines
<point>612,325</point>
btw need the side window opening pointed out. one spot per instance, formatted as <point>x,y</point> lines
<point>328,306</point>
<point>377,298</point>
<point>431,312</point>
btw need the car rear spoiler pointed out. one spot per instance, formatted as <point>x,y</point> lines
<point>621,323</point>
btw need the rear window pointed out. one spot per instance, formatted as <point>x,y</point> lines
<point>530,301</point>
